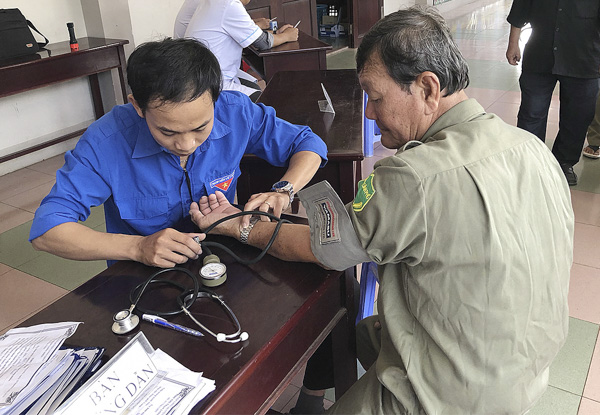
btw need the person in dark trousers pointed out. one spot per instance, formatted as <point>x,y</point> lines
<point>564,46</point>
<point>593,136</point>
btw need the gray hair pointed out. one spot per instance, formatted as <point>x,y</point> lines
<point>412,41</point>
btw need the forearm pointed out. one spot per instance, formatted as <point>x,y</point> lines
<point>279,39</point>
<point>72,240</point>
<point>287,33</point>
<point>513,37</point>
<point>291,244</point>
<point>269,40</point>
<point>302,167</point>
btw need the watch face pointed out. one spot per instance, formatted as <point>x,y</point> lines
<point>213,270</point>
<point>283,185</point>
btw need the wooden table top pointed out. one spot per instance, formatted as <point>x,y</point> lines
<point>295,96</point>
<point>304,43</point>
<point>284,307</point>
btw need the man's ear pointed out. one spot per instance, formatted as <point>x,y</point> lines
<point>132,101</point>
<point>429,85</point>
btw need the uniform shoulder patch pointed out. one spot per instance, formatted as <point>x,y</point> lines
<point>366,190</point>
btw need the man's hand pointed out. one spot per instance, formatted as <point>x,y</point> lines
<point>210,209</point>
<point>168,247</point>
<point>262,22</point>
<point>513,53</point>
<point>272,202</point>
<point>288,32</point>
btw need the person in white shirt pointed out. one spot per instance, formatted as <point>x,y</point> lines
<point>226,28</point>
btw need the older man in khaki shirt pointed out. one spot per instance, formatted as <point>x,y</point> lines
<point>471,225</point>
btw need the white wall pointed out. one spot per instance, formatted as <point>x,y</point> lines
<point>448,9</point>
<point>390,6</point>
<point>34,116</point>
<point>153,19</point>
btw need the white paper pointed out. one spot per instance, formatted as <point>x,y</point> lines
<point>23,353</point>
<point>175,370</point>
<point>53,396</point>
<point>161,397</point>
<point>87,357</point>
<point>326,105</point>
<point>176,391</point>
<point>115,386</point>
<point>42,386</point>
<point>172,389</point>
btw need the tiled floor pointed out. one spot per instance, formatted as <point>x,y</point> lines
<point>30,280</point>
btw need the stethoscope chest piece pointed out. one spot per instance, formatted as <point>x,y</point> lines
<point>124,321</point>
<point>213,271</point>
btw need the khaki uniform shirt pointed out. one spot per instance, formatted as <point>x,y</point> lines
<point>473,234</point>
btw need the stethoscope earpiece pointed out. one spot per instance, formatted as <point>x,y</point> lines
<point>236,337</point>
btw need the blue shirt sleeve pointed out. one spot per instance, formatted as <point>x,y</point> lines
<point>78,187</point>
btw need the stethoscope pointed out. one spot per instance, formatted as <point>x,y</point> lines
<point>125,320</point>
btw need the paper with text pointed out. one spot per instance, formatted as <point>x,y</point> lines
<point>24,353</point>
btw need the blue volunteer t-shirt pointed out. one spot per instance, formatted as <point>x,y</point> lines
<point>143,188</point>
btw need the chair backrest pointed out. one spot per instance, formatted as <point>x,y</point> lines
<point>371,132</point>
<point>368,286</point>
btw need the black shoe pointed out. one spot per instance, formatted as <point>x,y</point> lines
<point>569,174</point>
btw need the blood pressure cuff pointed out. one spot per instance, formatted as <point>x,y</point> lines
<point>332,237</point>
<point>264,41</point>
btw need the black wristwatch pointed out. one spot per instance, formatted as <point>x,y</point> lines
<point>284,186</point>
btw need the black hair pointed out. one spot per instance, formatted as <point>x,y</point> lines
<point>172,70</point>
<point>412,41</point>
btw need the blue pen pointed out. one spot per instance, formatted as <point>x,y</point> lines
<point>159,321</point>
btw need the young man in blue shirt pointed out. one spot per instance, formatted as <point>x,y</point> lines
<point>179,138</point>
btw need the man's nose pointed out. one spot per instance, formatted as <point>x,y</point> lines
<point>186,142</point>
<point>370,112</point>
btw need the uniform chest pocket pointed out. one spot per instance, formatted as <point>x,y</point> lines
<point>585,9</point>
<point>151,210</point>
<point>224,182</point>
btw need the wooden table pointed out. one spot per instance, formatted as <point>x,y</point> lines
<point>59,64</point>
<point>307,53</point>
<point>287,308</point>
<point>295,96</point>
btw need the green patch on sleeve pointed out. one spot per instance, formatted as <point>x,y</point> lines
<point>364,194</point>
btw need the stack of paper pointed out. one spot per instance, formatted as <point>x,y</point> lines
<point>139,380</point>
<point>35,375</point>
